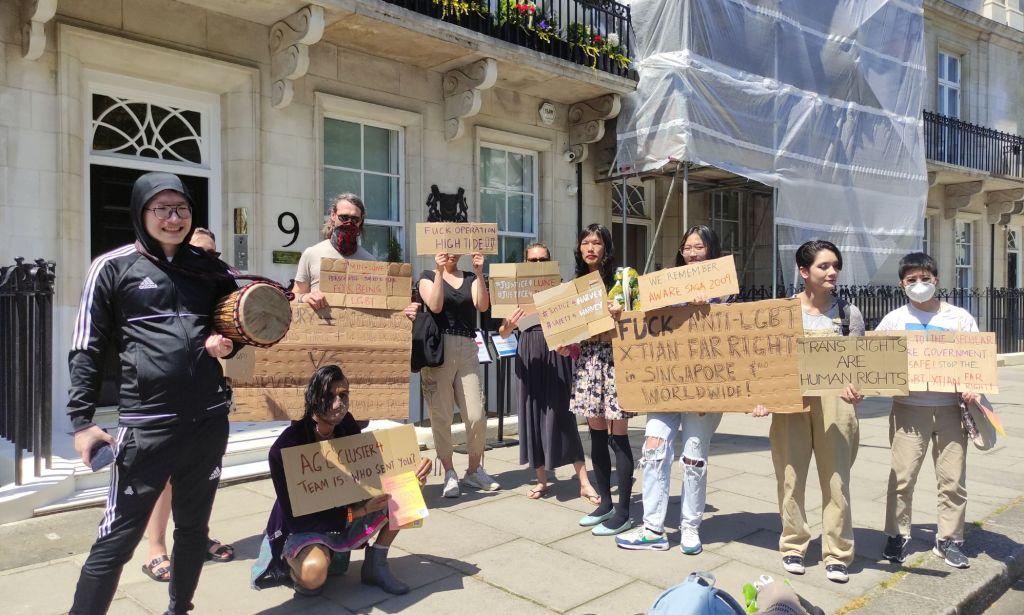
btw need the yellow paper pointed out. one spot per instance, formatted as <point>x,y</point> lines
<point>405,504</point>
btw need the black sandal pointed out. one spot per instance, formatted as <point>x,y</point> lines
<point>154,570</point>
<point>218,552</point>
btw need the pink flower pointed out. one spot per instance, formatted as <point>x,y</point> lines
<point>597,38</point>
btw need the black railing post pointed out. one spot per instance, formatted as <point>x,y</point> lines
<point>960,143</point>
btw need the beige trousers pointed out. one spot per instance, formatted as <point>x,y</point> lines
<point>831,432</point>
<point>911,428</point>
<point>455,382</point>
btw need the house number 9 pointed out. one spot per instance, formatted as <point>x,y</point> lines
<point>292,228</point>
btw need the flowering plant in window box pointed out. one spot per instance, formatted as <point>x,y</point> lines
<point>461,8</point>
<point>593,44</point>
<point>529,17</point>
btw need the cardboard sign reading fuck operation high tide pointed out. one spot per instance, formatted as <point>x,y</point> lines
<point>512,285</point>
<point>371,346</point>
<point>366,284</point>
<point>950,361</point>
<point>710,358</point>
<point>574,311</point>
<point>875,365</point>
<point>706,279</point>
<point>337,472</point>
<point>456,238</point>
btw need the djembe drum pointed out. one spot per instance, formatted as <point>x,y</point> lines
<point>257,314</point>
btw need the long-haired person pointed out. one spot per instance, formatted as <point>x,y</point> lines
<point>594,396</point>
<point>306,549</point>
<point>548,436</point>
<point>699,243</point>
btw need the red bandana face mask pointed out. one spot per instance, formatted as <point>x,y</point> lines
<point>345,237</point>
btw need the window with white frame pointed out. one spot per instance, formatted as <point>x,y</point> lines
<point>638,228</point>
<point>948,92</point>
<point>726,221</point>
<point>963,251</point>
<point>508,196</point>
<point>1013,264</point>
<point>366,159</point>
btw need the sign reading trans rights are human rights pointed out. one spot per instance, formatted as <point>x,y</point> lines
<point>710,358</point>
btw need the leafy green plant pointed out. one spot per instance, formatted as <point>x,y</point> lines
<point>394,250</point>
<point>458,9</point>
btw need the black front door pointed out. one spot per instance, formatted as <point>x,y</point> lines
<point>110,197</point>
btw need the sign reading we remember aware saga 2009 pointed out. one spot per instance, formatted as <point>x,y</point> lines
<point>337,472</point>
<point>706,279</point>
<point>875,365</point>
<point>366,284</point>
<point>371,346</point>
<point>574,311</point>
<point>512,285</point>
<point>456,238</point>
<point>950,361</point>
<point>710,358</point>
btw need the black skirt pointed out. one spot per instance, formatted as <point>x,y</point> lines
<point>548,435</point>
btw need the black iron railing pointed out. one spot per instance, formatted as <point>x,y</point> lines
<point>954,141</point>
<point>26,323</point>
<point>594,33</point>
<point>1000,310</point>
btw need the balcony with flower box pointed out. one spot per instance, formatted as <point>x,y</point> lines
<point>560,50</point>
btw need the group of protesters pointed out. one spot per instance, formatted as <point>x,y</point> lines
<point>152,303</point>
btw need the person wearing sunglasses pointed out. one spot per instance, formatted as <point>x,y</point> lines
<point>548,436</point>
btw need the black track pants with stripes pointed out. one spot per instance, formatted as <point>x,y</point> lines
<point>190,455</point>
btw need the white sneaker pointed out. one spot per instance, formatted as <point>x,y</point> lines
<point>451,484</point>
<point>481,480</point>
<point>689,540</point>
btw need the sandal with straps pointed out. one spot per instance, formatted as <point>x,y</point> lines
<point>157,572</point>
<point>218,552</point>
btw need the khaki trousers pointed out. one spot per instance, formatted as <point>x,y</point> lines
<point>455,382</point>
<point>832,433</point>
<point>911,428</point>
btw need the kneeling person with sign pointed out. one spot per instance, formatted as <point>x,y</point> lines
<point>304,550</point>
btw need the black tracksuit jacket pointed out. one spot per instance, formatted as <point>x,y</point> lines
<point>157,319</point>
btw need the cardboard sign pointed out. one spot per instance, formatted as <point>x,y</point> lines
<point>456,238</point>
<point>875,365</point>
<point>574,311</point>
<point>950,361</point>
<point>512,285</point>
<point>371,346</point>
<point>332,473</point>
<point>710,358</point>
<point>366,284</point>
<point>704,280</point>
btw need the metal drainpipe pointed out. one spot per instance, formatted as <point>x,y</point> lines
<point>579,196</point>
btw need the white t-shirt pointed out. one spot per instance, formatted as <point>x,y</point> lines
<point>831,322</point>
<point>309,264</point>
<point>909,318</point>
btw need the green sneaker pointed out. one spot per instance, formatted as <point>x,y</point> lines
<point>642,538</point>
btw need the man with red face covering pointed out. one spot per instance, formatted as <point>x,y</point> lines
<point>347,218</point>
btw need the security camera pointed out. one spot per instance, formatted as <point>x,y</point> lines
<point>569,155</point>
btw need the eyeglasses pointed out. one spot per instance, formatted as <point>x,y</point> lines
<point>538,260</point>
<point>691,249</point>
<point>348,218</point>
<point>183,212</point>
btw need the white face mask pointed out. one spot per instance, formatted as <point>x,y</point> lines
<point>920,292</point>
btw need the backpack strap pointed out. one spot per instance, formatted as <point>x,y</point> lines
<point>843,307</point>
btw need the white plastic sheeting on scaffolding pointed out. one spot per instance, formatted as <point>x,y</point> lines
<point>820,99</point>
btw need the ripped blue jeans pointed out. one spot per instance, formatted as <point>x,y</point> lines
<point>657,465</point>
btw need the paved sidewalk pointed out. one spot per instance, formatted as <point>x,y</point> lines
<point>508,554</point>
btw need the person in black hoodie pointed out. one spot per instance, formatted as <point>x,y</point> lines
<point>152,302</point>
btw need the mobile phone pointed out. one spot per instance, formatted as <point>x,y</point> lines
<point>101,456</point>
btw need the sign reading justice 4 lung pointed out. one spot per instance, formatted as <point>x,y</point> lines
<point>710,358</point>
<point>512,285</point>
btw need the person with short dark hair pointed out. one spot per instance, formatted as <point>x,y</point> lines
<point>152,301</point>
<point>302,551</point>
<point>829,431</point>
<point>926,417</point>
